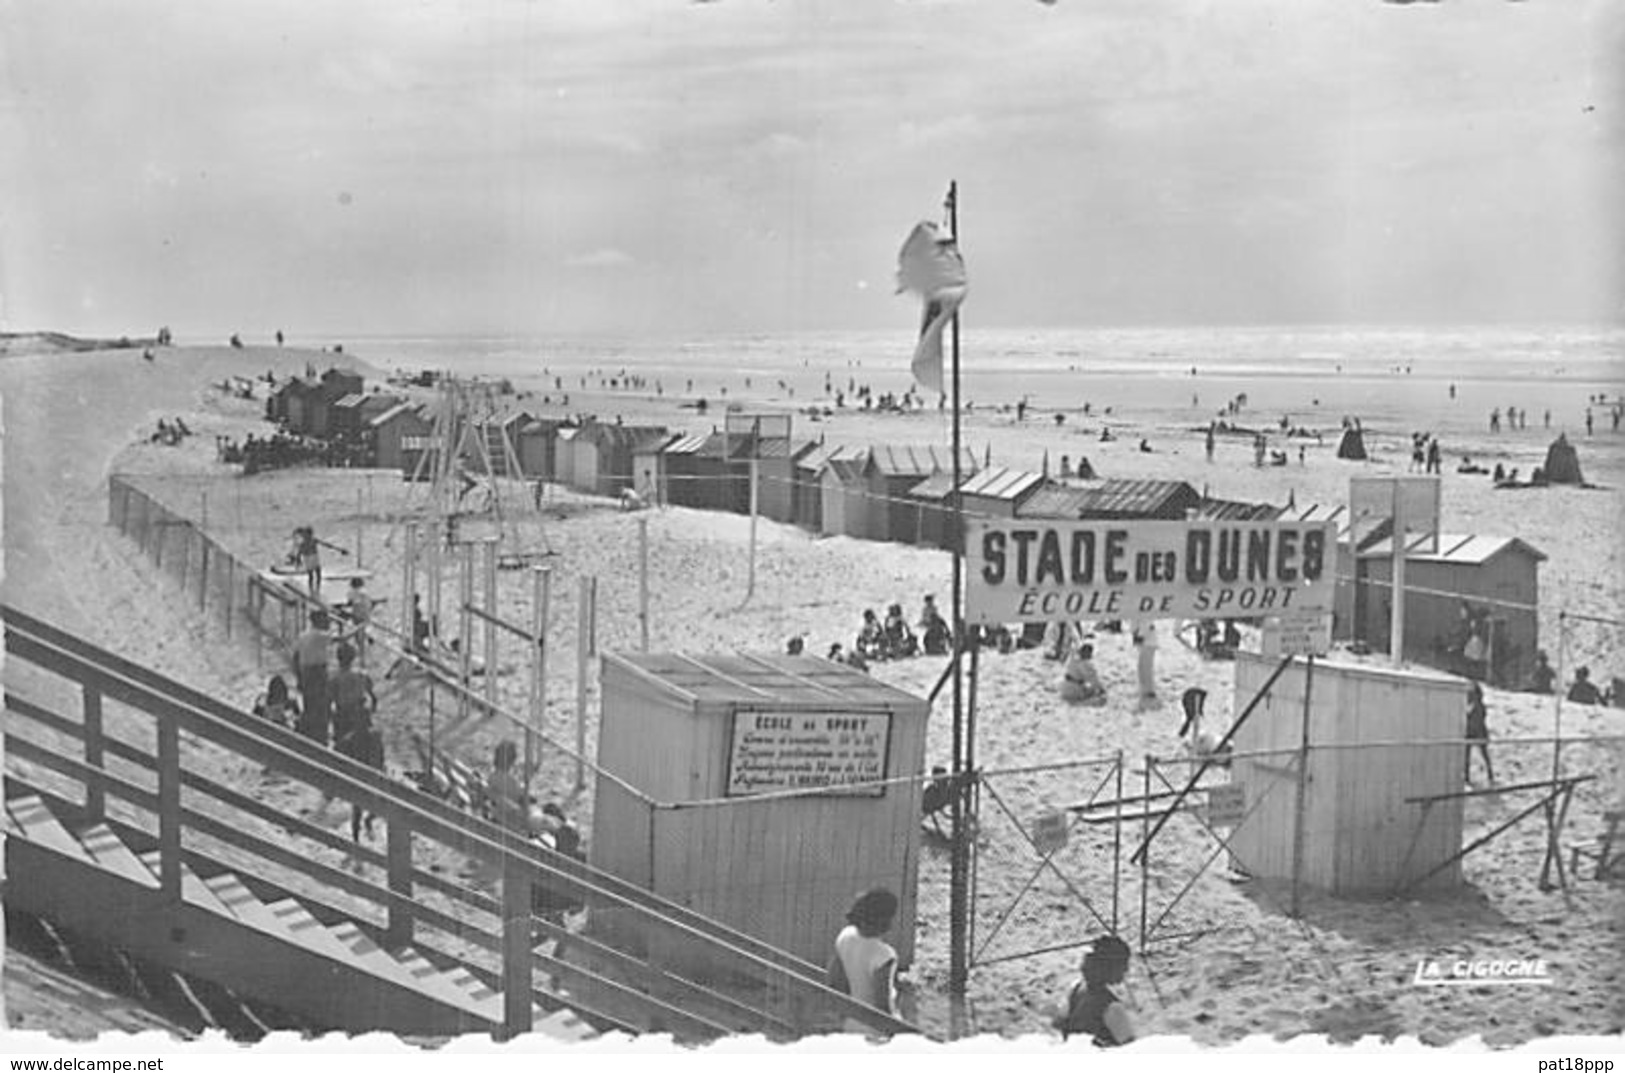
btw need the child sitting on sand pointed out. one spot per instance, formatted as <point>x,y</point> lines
<point>1081,683</point>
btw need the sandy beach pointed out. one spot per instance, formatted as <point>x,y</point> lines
<point>71,420</point>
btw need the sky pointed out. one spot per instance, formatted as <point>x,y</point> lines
<point>658,167</point>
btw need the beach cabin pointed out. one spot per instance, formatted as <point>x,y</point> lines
<point>599,455</point>
<point>891,472</point>
<point>575,463</point>
<point>282,402</point>
<point>679,472</point>
<point>934,511</point>
<point>1468,571</point>
<point>997,491</point>
<point>808,494</point>
<point>649,469</point>
<point>398,432</point>
<point>334,385</point>
<point>1112,499</point>
<point>1375,819</point>
<point>847,500</point>
<point>776,476</point>
<point>727,736</point>
<point>535,444</point>
<point>722,472</point>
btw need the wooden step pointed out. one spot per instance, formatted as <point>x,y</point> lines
<point>40,826</point>
<point>383,963</point>
<point>112,854</point>
<point>307,931</point>
<point>243,903</point>
<point>193,890</point>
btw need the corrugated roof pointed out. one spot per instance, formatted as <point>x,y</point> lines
<point>393,412</point>
<point>785,681</point>
<point>893,461</point>
<point>1112,497</point>
<point>687,445</point>
<point>1000,482</point>
<point>777,448</point>
<point>934,488</point>
<point>657,445</point>
<point>1229,510</point>
<point>1455,548</point>
<point>820,456</point>
<point>347,401</point>
<point>849,470</point>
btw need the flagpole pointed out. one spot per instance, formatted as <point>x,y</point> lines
<point>959,870</point>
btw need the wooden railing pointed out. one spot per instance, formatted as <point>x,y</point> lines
<point>759,988</point>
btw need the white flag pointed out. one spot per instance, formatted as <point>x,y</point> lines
<point>930,266</point>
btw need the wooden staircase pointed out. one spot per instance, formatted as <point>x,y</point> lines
<point>87,878</point>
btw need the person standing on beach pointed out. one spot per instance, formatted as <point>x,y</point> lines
<point>310,672</point>
<point>1145,640</point>
<point>864,965</point>
<point>1478,733</point>
<point>1092,1007</point>
<point>360,606</point>
<point>1208,444</point>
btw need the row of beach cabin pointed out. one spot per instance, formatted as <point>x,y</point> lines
<point>904,495</point>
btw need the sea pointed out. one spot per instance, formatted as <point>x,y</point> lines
<point>1423,377</point>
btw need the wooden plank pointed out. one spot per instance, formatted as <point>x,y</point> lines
<point>111,853</point>
<point>40,826</point>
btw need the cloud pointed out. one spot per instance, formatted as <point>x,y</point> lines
<point>606,257</point>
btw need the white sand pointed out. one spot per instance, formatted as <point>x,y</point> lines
<point>70,418</point>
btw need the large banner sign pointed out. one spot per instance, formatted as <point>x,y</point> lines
<point>1041,569</point>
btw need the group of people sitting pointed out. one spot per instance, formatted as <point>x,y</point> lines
<point>282,450</point>
<point>893,638</point>
<point>170,433</point>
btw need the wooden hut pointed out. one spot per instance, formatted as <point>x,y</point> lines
<point>847,500</point>
<point>575,462</point>
<point>891,472</point>
<point>1465,572</point>
<point>397,433</point>
<point>723,472</point>
<point>725,730</point>
<point>934,517</point>
<point>649,467</point>
<point>536,446</point>
<point>997,491</point>
<point>680,473</point>
<point>1369,826</point>
<point>808,494</point>
<point>776,476</point>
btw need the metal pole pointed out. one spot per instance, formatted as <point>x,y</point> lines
<point>436,536</point>
<point>584,629</point>
<point>358,530</point>
<point>750,585</point>
<point>1117,842</point>
<point>541,579</point>
<point>1303,787</point>
<point>490,566</point>
<point>1396,625</point>
<point>1557,692</point>
<point>1145,855</point>
<point>409,579</point>
<point>465,624</point>
<point>958,888</point>
<point>643,580</point>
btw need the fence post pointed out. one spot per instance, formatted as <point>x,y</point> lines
<point>203,574</point>
<point>541,583</point>
<point>1303,788</point>
<point>169,808</point>
<point>516,948</point>
<point>231,593</point>
<point>1145,853</point>
<point>160,531</point>
<point>398,932</point>
<point>95,795</point>
<point>643,581</point>
<point>465,626</point>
